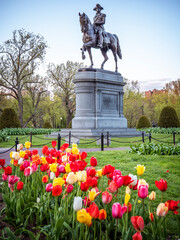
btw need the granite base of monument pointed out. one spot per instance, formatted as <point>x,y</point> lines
<point>99,105</point>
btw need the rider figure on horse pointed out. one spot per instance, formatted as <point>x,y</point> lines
<point>99,21</point>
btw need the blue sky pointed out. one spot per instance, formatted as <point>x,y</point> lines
<point>148,31</point>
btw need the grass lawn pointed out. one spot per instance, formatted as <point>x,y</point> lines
<point>90,143</point>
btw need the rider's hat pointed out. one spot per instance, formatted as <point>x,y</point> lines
<point>98,6</point>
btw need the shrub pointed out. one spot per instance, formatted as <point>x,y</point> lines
<point>168,118</point>
<point>143,122</point>
<point>155,149</point>
<point>47,125</point>
<point>9,119</point>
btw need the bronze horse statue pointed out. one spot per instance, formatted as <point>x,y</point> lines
<point>90,41</point>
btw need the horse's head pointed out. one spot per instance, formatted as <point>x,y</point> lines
<point>84,20</point>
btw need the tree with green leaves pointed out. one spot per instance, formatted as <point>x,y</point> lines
<point>61,78</point>
<point>20,57</point>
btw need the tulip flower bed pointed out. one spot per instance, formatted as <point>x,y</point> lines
<point>65,195</point>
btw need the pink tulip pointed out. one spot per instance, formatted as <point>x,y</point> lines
<point>106,197</point>
<point>34,167</point>
<point>69,188</point>
<point>62,169</point>
<point>118,210</point>
<point>143,191</point>
<point>26,164</point>
<point>117,172</point>
<point>4,177</point>
<point>49,187</point>
<point>27,172</point>
<point>11,181</point>
<point>118,179</point>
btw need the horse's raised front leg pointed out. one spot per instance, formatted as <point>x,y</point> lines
<point>90,56</point>
<point>104,53</point>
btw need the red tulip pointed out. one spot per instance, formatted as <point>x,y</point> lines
<point>127,180</point>
<point>93,161</point>
<point>8,170</point>
<point>143,191</point>
<point>64,146</point>
<point>94,182</point>
<point>107,169</point>
<point>118,180</point>
<point>161,185</point>
<point>44,167</point>
<point>2,162</point>
<point>172,205</point>
<point>129,207</point>
<point>83,155</point>
<point>45,179</point>
<point>81,164</point>
<point>20,185</point>
<point>102,214</point>
<point>94,211</point>
<point>138,223</point>
<point>91,171</point>
<point>57,190</point>
<point>35,152</point>
<point>112,187</point>
<point>137,236</point>
<point>54,143</point>
<point>106,197</point>
<point>151,216</point>
<point>84,186</point>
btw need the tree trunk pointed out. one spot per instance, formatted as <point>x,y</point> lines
<point>20,110</point>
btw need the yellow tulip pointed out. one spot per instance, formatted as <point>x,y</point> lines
<point>75,150</point>
<point>139,201</point>
<point>22,154</point>
<point>127,198</point>
<point>43,160</point>
<point>84,217</point>
<point>71,178</point>
<point>140,169</point>
<point>152,196</point>
<point>58,181</point>
<point>74,145</point>
<point>67,168</point>
<point>53,167</point>
<point>27,145</point>
<point>68,150</point>
<point>12,161</point>
<point>99,173</point>
<point>11,153</point>
<point>81,176</point>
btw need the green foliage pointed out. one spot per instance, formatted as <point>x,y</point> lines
<point>27,131</point>
<point>160,130</point>
<point>143,122</point>
<point>3,136</point>
<point>47,124</point>
<point>168,118</point>
<point>9,119</point>
<point>155,149</point>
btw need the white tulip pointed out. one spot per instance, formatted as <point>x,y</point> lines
<point>77,204</point>
<point>134,178</point>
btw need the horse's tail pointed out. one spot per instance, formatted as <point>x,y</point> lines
<point>118,47</point>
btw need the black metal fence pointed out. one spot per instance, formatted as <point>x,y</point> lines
<point>102,137</point>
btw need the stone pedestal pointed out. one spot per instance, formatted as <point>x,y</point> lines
<point>99,100</point>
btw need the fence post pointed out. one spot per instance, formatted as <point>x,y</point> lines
<point>174,138</point>
<point>149,137</point>
<point>31,138</point>
<point>102,142</point>
<point>143,137</point>
<point>16,143</point>
<point>69,138</point>
<point>107,138</point>
<point>59,141</point>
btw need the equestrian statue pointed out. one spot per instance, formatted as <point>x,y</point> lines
<point>95,36</point>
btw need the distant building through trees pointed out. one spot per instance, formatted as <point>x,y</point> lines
<point>149,93</point>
